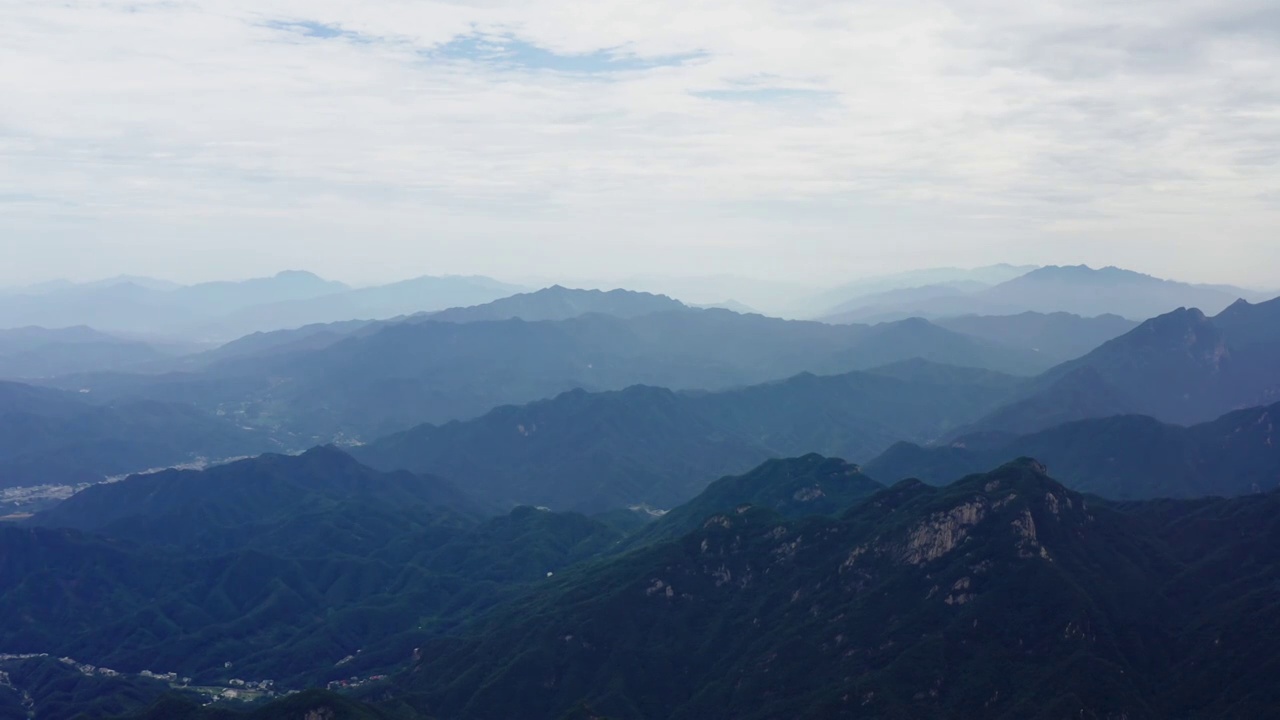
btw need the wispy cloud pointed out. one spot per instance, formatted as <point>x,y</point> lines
<point>317,30</point>
<point>820,137</point>
<point>508,52</point>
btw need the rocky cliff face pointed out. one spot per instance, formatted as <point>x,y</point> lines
<point>987,571</point>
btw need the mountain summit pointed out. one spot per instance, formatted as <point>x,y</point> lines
<point>1004,595</point>
<point>1077,289</point>
<point>561,303</point>
<point>1181,367</point>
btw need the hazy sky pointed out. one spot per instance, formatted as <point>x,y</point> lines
<point>194,139</point>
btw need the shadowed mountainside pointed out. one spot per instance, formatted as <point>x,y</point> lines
<point>1122,457</point>
<point>652,446</point>
<point>367,385</point>
<point>53,437</point>
<point>1182,367</point>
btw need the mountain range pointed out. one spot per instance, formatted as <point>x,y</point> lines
<point>792,487</point>
<point>863,291</point>
<point>281,565</point>
<point>381,379</point>
<point>1182,367</point>
<point>1122,457</point>
<point>1058,336</point>
<point>224,310</point>
<point>36,352</point>
<point>51,437</point>
<point>1004,596</point>
<point>561,303</point>
<point>227,503</point>
<point>575,503</point>
<point>652,446</point>
<point>370,380</point>
<point>553,303</point>
<point>1080,290</point>
<point>1001,595</point>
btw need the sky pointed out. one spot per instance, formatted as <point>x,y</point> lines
<point>803,140</point>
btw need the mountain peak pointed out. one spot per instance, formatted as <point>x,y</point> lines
<point>789,487</point>
<point>328,452</point>
<point>256,489</point>
<point>1243,309</point>
<point>297,275</point>
<point>1027,468</point>
<point>1182,317</point>
<point>912,323</point>
<point>562,303</point>
<point>1086,274</point>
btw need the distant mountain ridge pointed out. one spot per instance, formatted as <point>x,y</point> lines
<point>1062,336</point>
<point>793,487</point>
<point>384,378</point>
<point>1002,595</point>
<point>881,306</point>
<point>225,310</point>
<point>1125,457</point>
<point>561,303</point>
<point>845,297</point>
<point>555,303</point>
<point>50,437</point>
<point>1182,367</point>
<point>1079,290</point>
<point>259,491</point>
<point>571,504</point>
<point>283,567</point>
<point>383,302</point>
<point>648,445</point>
<point>36,352</point>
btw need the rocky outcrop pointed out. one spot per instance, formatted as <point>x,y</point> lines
<point>942,532</point>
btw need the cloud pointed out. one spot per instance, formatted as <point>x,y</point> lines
<point>814,136</point>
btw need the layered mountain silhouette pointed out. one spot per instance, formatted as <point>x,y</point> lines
<point>1080,290</point>
<point>1123,457</point>
<point>407,297</point>
<point>1181,367</point>
<point>36,352</point>
<point>282,565</point>
<point>792,487</point>
<point>397,376</point>
<point>130,306</point>
<point>51,437</point>
<point>554,303</point>
<point>225,310</point>
<point>896,304</point>
<point>945,280</point>
<point>233,502</point>
<point>1056,336</point>
<point>561,303</point>
<point>280,342</point>
<point>588,504</point>
<point>652,446</point>
<point>1003,595</point>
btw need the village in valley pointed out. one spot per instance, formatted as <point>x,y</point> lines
<point>235,690</point>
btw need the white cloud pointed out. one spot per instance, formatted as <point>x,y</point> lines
<point>804,138</point>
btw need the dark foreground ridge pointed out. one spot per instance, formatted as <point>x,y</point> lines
<point>1002,595</point>
<point>1126,457</point>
